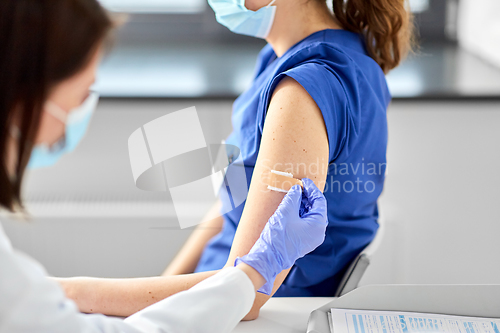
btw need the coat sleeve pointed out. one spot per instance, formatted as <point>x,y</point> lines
<point>29,302</point>
<point>216,304</point>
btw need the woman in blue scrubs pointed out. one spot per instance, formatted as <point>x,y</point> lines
<point>316,108</point>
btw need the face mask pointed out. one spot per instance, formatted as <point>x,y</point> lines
<point>236,17</point>
<point>76,124</point>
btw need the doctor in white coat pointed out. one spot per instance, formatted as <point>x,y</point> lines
<point>49,54</point>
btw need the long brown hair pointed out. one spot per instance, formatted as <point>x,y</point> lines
<point>387,26</point>
<point>42,43</point>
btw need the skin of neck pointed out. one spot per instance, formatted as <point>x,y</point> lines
<point>297,19</point>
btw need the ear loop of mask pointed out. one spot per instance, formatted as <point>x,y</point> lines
<point>270,5</point>
<point>16,135</point>
<point>56,111</point>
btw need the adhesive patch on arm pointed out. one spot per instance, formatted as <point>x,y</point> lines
<point>282,181</point>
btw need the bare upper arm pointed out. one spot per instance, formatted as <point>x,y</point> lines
<point>294,140</point>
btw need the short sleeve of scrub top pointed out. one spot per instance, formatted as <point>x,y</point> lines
<point>350,90</point>
<point>325,89</point>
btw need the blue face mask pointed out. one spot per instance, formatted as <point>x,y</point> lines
<point>76,124</point>
<point>236,17</point>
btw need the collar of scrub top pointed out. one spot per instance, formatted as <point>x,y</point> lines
<point>343,37</point>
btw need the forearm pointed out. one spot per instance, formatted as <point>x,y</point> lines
<point>188,257</point>
<point>123,297</point>
<point>254,276</point>
<point>216,304</point>
<point>261,299</point>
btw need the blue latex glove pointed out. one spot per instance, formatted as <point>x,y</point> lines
<point>296,228</point>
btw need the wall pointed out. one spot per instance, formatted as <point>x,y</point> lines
<point>479,28</point>
<point>441,196</point>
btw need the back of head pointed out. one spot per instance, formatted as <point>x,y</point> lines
<point>43,42</point>
<point>387,26</point>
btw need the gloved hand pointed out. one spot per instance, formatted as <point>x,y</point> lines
<point>296,228</point>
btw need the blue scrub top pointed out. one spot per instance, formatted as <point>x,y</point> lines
<point>350,89</point>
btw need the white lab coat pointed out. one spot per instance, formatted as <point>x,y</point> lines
<point>29,302</point>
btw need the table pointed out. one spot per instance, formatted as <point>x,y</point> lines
<point>283,315</point>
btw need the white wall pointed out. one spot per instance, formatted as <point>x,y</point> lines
<point>442,195</point>
<point>441,200</point>
<point>478,28</point>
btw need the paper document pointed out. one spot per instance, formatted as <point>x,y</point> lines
<point>360,321</point>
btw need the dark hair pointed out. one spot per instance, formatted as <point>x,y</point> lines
<point>387,26</point>
<point>43,42</point>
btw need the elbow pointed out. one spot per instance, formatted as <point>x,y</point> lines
<point>252,315</point>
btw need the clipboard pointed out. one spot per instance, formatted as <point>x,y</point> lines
<point>460,300</point>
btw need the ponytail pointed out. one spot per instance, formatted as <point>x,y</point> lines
<point>387,26</point>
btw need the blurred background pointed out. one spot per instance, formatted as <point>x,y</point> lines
<point>173,48</point>
<point>440,204</point>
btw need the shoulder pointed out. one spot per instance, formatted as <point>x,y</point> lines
<point>312,104</point>
<point>294,132</point>
<point>290,96</point>
<point>312,83</point>
<point>293,109</point>
<point>340,57</point>
<point>325,53</point>
<point>290,90</point>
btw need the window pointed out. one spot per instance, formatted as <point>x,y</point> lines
<point>155,6</point>
<point>418,6</point>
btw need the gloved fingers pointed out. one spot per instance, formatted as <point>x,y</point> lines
<point>316,198</point>
<point>292,198</point>
<point>304,205</point>
<point>317,242</point>
<point>318,211</point>
<point>311,190</point>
